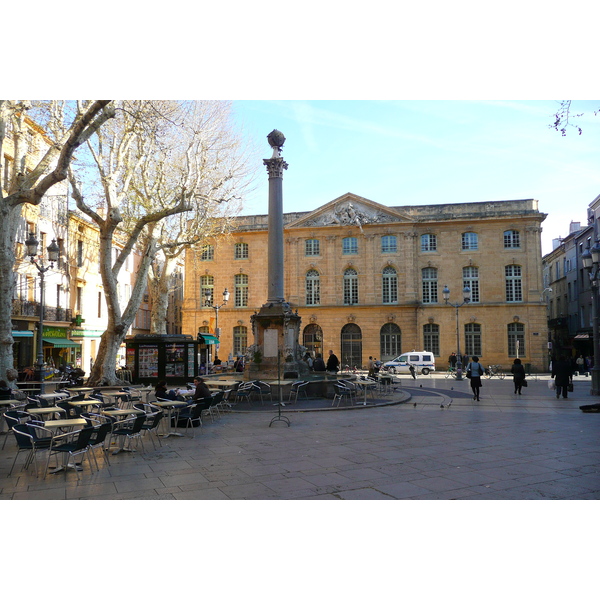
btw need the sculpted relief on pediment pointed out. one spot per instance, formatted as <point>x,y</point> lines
<point>349,213</point>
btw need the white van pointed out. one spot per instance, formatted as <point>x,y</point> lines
<point>423,362</point>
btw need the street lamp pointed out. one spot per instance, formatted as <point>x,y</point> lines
<point>53,252</point>
<point>591,263</point>
<point>208,303</point>
<point>466,300</point>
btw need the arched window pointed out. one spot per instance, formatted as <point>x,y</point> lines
<point>312,338</point>
<point>313,288</point>
<point>207,284</point>
<point>471,279</point>
<point>351,345</point>
<point>430,285</point>
<point>350,286</point>
<point>389,283</point>
<point>514,289</point>
<point>431,338</point>
<point>241,290</point>
<point>240,340</point>
<point>516,339</point>
<point>390,339</point>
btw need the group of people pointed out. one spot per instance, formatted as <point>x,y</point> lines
<point>202,395</point>
<point>318,364</point>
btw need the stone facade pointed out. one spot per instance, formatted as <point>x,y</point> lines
<point>379,272</point>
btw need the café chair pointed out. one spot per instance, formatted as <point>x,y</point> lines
<point>30,438</point>
<point>190,415</point>
<point>298,388</point>
<point>263,389</point>
<point>130,429</point>
<point>12,418</point>
<point>244,392</point>
<point>342,393</point>
<point>151,425</point>
<point>99,435</point>
<point>74,444</point>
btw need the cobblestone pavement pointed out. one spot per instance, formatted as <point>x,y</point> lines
<point>505,447</point>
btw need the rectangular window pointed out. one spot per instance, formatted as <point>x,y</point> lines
<point>208,252</point>
<point>511,239</point>
<point>350,245</point>
<point>241,251</point>
<point>469,241</point>
<point>471,279</point>
<point>389,244</point>
<point>430,285</point>
<point>428,242</point>
<point>311,248</point>
<point>516,339</point>
<point>473,339</point>
<point>240,340</point>
<point>514,292</point>
<point>431,338</point>
<point>241,290</point>
<point>80,253</point>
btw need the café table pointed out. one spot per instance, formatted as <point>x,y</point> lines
<point>124,413</point>
<point>118,396</point>
<point>386,382</point>
<point>46,411</point>
<point>222,383</point>
<point>170,405</point>
<point>80,390</point>
<point>365,385</point>
<point>65,424</point>
<point>86,403</point>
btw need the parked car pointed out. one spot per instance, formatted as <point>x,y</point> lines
<point>423,362</point>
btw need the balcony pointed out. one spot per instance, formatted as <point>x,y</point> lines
<point>25,308</point>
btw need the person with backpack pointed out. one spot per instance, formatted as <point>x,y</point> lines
<point>474,373</point>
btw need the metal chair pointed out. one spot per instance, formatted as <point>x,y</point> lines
<point>97,440</point>
<point>263,389</point>
<point>12,418</point>
<point>190,415</point>
<point>298,388</point>
<point>30,438</point>
<point>130,429</point>
<point>244,392</point>
<point>77,442</point>
<point>342,393</point>
<point>151,425</point>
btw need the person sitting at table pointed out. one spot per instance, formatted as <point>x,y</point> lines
<point>160,389</point>
<point>202,395</point>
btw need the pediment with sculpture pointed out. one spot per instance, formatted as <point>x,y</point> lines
<point>350,210</point>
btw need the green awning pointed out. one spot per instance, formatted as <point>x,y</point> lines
<point>22,333</point>
<point>61,343</point>
<point>206,338</point>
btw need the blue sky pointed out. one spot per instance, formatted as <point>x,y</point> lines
<point>429,152</point>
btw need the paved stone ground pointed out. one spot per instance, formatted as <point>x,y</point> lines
<point>505,447</point>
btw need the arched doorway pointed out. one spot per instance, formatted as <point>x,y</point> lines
<point>312,338</point>
<point>351,346</point>
<point>390,339</point>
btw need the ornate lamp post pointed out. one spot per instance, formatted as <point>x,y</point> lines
<point>53,252</point>
<point>209,304</point>
<point>591,263</point>
<point>466,300</point>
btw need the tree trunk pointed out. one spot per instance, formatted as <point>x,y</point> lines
<point>9,218</point>
<point>159,292</point>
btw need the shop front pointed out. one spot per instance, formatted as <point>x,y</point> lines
<point>58,349</point>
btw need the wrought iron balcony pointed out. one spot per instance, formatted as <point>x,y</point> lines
<point>25,308</point>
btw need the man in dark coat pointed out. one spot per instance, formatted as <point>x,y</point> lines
<point>562,373</point>
<point>333,362</point>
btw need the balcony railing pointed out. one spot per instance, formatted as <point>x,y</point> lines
<point>25,308</point>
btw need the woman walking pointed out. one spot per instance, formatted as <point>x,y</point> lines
<point>474,373</point>
<point>518,371</point>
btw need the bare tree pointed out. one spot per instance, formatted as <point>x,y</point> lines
<point>28,183</point>
<point>152,172</point>
<point>563,118</point>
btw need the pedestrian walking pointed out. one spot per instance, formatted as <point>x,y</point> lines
<point>580,364</point>
<point>518,371</point>
<point>474,373</point>
<point>411,368</point>
<point>562,373</point>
